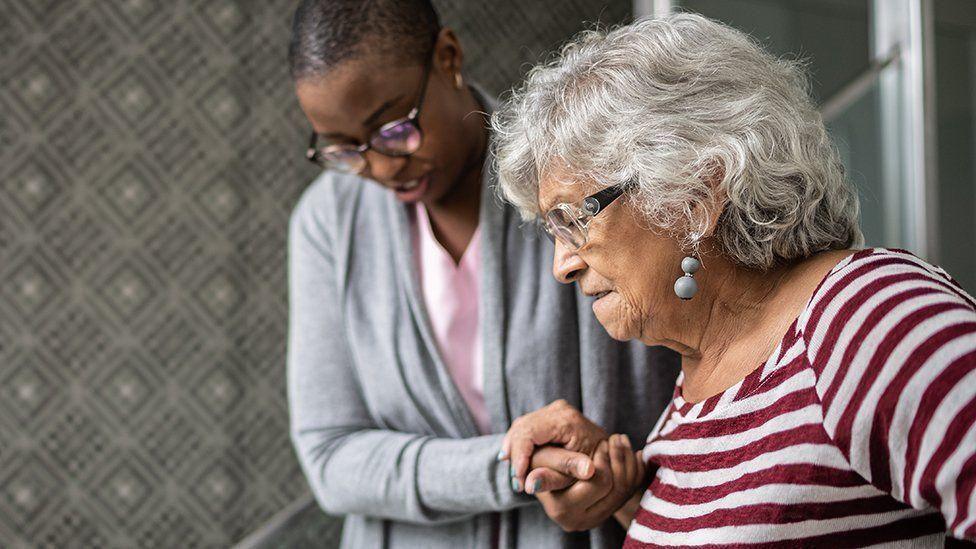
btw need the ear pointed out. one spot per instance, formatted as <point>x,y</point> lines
<point>448,55</point>
<point>717,198</point>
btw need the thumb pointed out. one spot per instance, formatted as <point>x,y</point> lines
<point>567,462</point>
<point>546,480</point>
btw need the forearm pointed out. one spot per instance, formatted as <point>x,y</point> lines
<point>464,475</point>
<point>407,477</point>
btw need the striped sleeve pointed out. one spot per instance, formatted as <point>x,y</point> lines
<point>892,341</point>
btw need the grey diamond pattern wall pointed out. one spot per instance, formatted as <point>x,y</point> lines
<point>150,153</point>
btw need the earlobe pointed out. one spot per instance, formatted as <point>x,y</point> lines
<point>715,211</point>
<point>714,204</point>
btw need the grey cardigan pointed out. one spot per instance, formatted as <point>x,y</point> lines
<point>380,429</point>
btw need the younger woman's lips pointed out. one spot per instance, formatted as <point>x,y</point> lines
<point>415,193</point>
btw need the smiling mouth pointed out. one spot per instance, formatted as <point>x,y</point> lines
<point>409,185</point>
<point>601,294</point>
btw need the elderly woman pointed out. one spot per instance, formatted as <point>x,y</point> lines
<point>827,394</point>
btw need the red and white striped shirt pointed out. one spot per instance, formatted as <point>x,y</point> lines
<point>860,429</point>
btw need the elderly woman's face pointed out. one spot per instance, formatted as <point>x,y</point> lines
<point>630,269</point>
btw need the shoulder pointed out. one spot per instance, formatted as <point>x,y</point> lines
<point>327,194</point>
<point>327,209</point>
<point>881,295</point>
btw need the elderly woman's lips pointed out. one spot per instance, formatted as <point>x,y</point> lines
<point>600,303</point>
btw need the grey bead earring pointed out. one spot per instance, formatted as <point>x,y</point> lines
<point>686,287</point>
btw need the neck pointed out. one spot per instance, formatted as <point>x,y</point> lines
<point>454,217</point>
<point>732,307</point>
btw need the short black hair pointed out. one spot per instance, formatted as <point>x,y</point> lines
<point>327,32</point>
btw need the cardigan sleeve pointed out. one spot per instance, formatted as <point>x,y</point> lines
<point>352,466</point>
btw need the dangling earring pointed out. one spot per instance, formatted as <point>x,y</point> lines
<point>686,287</point>
<point>458,80</point>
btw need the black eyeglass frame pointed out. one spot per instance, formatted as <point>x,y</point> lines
<point>581,215</point>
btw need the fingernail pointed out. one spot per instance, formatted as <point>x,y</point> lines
<point>583,468</point>
<point>502,455</point>
<point>511,470</point>
<point>515,485</point>
<point>537,485</point>
<point>626,440</point>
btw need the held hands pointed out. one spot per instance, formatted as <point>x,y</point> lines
<point>580,476</point>
<point>555,468</point>
<point>558,424</point>
<point>619,472</point>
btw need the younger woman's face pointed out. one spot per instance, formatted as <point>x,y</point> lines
<point>359,95</point>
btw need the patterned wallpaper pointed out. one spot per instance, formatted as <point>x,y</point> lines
<point>150,153</point>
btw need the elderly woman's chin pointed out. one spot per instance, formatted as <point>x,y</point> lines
<point>615,317</point>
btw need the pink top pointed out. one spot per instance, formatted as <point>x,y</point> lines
<point>451,296</point>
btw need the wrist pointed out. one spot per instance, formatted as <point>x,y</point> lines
<point>626,513</point>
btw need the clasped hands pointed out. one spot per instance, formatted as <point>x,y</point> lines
<point>581,475</point>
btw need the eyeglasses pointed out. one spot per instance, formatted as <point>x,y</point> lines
<point>401,137</point>
<point>568,223</point>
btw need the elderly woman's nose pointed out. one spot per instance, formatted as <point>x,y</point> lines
<point>567,266</point>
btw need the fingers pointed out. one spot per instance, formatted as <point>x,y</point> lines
<point>624,466</point>
<point>569,463</point>
<point>641,475</point>
<point>630,464</point>
<point>520,423</point>
<point>618,461</point>
<point>600,484</point>
<point>557,423</point>
<point>542,480</point>
<point>601,459</point>
<point>618,474</point>
<point>527,433</point>
<point>634,465</point>
<point>520,453</point>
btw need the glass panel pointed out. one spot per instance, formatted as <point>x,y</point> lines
<point>955,69</point>
<point>856,133</point>
<point>834,37</point>
<point>832,34</point>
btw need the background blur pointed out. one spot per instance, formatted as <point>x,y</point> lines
<point>150,153</point>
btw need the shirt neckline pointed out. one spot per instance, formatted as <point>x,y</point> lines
<point>427,230</point>
<point>688,411</point>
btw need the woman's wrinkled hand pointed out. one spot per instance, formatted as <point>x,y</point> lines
<point>557,424</point>
<point>556,468</point>
<point>618,473</point>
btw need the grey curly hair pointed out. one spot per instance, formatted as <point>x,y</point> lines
<point>678,109</point>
